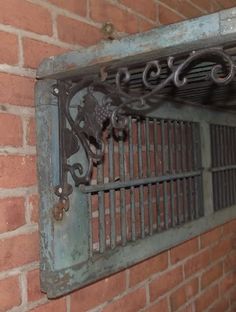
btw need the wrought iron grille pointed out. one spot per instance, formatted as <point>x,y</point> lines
<point>223,146</point>
<point>150,180</point>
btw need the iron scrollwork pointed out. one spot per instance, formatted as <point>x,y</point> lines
<point>104,102</point>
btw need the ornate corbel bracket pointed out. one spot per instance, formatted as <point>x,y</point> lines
<point>104,103</point>
<point>82,129</point>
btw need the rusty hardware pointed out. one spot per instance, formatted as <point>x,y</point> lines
<point>108,30</point>
<point>106,105</point>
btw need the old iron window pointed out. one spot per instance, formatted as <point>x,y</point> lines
<point>136,148</point>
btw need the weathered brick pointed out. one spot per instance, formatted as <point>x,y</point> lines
<point>230,261</point>
<point>165,282</point>
<point>98,293</point>
<point>183,294</point>
<point>221,249</point>
<point>17,171</point>
<point>221,306</point>
<point>34,208</point>
<point>144,25</point>
<point>227,282</point>
<point>26,15</point>
<point>161,305</point>
<point>131,302</point>
<point>85,35</point>
<point>75,6</point>
<point>35,51</point>
<point>102,11</point>
<point>11,132</point>
<point>197,263</point>
<point>184,250</point>
<point>9,293</point>
<point>33,286</point>
<point>16,90</point>
<point>211,275</point>
<point>145,269</point>
<point>183,7</point>
<point>18,250</point>
<point>141,7</point>
<point>12,213</point>
<point>210,237</point>
<point>167,16</point>
<point>207,298</point>
<point>31,135</point>
<point>58,305</point>
<point>8,48</point>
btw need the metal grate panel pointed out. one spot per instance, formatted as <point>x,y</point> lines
<point>150,181</point>
<point>223,146</point>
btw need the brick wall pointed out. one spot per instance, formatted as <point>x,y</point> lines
<point>191,277</point>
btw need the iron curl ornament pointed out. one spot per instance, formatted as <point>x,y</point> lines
<point>105,103</point>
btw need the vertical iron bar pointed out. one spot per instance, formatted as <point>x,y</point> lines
<point>183,148</point>
<point>176,137</point>
<point>112,192</point>
<point>156,174</point>
<point>122,190</point>
<point>195,167</point>
<point>166,214</point>
<point>131,168</point>
<point>150,214</point>
<point>101,209</point>
<point>140,171</point>
<point>170,150</point>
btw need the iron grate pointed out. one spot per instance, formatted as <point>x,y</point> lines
<point>223,145</point>
<point>150,181</point>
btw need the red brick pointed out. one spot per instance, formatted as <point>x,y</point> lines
<point>207,298</point>
<point>31,132</point>
<point>26,15</point>
<point>228,282</point>
<point>149,10</point>
<point>98,293</point>
<point>205,5</point>
<point>161,305</point>
<point>226,4</point>
<point>16,90</point>
<point>183,294</point>
<point>34,208</point>
<point>165,282</point>
<point>8,48</point>
<point>167,16</point>
<point>17,171</point>
<point>9,293</point>
<point>230,261</point>
<point>11,132</point>
<point>18,250</point>
<point>211,275</point>
<point>12,213</point>
<point>35,51</point>
<point>101,11</point>
<point>86,35</point>
<point>183,7</point>
<point>233,296</point>
<point>131,302</point>
<point>144,25</point>
<point>210,237</point>
<point>221,249</point>
<point>145,269</point>
<point>220,306</point>
<point>33,286</point>
<point>197,263</point>
<point>75,6</point>
<point>184,250</point>
<point>229,228</point>
<point>57,305</point>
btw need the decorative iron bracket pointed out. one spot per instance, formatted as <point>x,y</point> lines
<point>105,103</point>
